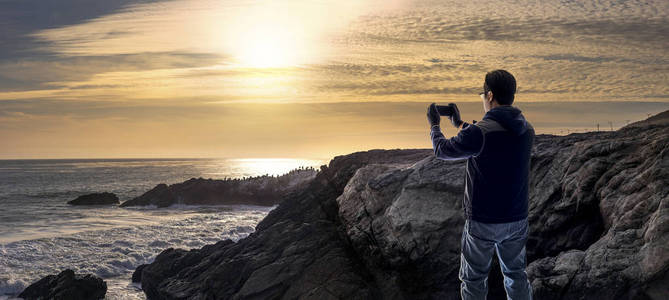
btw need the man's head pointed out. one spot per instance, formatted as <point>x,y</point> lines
<point>499,88</point>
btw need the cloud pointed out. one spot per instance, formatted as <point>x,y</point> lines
<point>572,57</point>
<point>558,50</point>
<point>554,22</point>
<point>146,78</point>
<point>53,72</point>
<point>20,18</point>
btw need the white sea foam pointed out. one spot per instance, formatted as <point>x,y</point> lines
<point>40,234</point>
<point>113,254</point>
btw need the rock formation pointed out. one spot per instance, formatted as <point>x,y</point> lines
<point>95,199</point>
<point>137,275</point>
<point>297,250</point>
<point>260,190</point>
<point>386,224</point>
<point>66,285</point>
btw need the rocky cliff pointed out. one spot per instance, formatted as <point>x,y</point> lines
<point>386,224</point>
<point>259,190</point>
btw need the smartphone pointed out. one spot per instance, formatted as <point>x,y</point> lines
<point>444,110</point>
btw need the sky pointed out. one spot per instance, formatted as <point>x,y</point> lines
<point>311,79</point>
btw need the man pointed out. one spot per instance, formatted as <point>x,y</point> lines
<point>495,205</point>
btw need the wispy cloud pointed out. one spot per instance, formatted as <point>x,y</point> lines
<point>58,71</point>
<point>556,49</point>
<point>21,18</point>
<point>142,73</point>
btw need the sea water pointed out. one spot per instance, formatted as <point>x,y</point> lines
<point>40,234</point>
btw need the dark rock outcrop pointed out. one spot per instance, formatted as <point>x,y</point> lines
<point>386,224</point>
<point>95,199</point>
<point>66,285</point>
<point>137,275</point>
<point>298,250</point>
<point>260,190</point>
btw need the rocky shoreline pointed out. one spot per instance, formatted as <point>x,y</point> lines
<point>386,224</point>
<point>260,190</point>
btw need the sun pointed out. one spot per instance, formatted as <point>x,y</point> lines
<point>264,46</point>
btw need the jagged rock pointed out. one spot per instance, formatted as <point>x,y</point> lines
<point>298,249</point>
<point>386,224</point>
<point>160,196</point>
<point>261,190</point>
<point>66,285</point>
<point>406,223</point>
<point>95,199</point>
<point>605,194</point>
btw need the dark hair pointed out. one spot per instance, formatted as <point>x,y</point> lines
<point>502,84</point>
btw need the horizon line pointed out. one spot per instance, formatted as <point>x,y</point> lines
<point>161,158</point>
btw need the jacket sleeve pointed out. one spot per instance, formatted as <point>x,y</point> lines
<point>466,143</point>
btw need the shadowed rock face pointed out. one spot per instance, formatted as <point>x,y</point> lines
<point>261,190</point>
<point>599,215</point>
<point>386,224</point>
<point>95,199</point>
<point>66,285</point>
<point>298,249</point>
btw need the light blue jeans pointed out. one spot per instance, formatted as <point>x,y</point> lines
<point>479,242</point>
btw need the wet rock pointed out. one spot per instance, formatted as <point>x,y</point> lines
<point>66,285</point>
<point>95,199</point>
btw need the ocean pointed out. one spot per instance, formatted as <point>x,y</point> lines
<point>40,234</point>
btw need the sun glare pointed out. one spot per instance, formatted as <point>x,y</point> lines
<point>272,166</point>
<point>267,47</point>
<point>281,34</point>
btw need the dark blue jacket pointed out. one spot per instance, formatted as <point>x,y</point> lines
<point>498,164</point>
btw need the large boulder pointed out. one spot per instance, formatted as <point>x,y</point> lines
<point>104,198</point>
<point>66,285</point>
<point>386,224</point>
<point>260,190</point>
<point>405,222</point>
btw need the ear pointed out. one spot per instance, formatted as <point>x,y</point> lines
<point>489,98</point>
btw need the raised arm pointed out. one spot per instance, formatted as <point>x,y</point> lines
<point>466,143</point>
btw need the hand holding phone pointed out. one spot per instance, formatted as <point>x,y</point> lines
<point>445,110</point>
